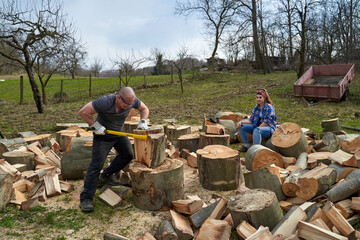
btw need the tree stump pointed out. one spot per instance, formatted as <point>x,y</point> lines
<point>258,156</point>
<point>152,150</point>
<point>331,125</point>
<point>189,141</point>
<point>257,207</point>
<point>289,140</point>
<point>219,167</point>
<point>209,139</point>
<point>174,132</point>
<point>349,142</point>
<point>77,158</point>
<point>154,188</point>
<point>26,158</point>
<point>8,145</point>
<point>315,182</point>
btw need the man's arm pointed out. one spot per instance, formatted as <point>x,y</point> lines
<point>87,112</point>
<point>144,111</point>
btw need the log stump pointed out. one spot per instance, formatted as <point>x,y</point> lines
<point>257,207</point>
<point>8,145</point>
<point>189,141</point>
<point>209,139</point>
<point>77,158</point>
<point>26,158</point>
<point>152,150</point>
<point>219,167</point>
<point>289,140</point>
<point>174,132</point>
<point>154,188</point>
<point>331,125</point>
<point>258,156</point>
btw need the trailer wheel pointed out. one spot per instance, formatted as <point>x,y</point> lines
<point>346,94</point>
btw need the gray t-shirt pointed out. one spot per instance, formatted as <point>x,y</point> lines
<point>107,116</point>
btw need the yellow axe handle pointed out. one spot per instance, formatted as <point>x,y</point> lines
<point>143,137</point>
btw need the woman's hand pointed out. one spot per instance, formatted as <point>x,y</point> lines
<point>238,125</point>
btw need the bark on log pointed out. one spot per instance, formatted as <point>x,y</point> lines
<point>219,168</point>
<point>190,142</point>
<point>332,142</point>
<point>315,182</point>
<point>263,178</point>
<point>230,128</point>
<point>154,188</point>
<point>290,185</point>
<point>331,125</point>
<point>341,171</point>
<point>26,158</point>
<point>165,231</point>
<point>209,139</point>
<point>349,142</point>
<point>258,156</point>
<point>198,218</point>
<point>289,140</point>
<point>344,189</point>
<point>302,160</point>
<point>257,207</point>
<point>77,159</point>
<point>8,145</point>
<point>174,132</point>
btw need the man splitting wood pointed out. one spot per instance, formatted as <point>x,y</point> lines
<point>111,111</point>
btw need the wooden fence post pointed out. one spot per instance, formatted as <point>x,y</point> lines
<point>90,85</point>
<point>61,90</point>
<point>21,89</point>
<point>144,78</point>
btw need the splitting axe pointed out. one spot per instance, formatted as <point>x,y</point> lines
<point>142,137</point>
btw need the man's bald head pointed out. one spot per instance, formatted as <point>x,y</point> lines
<point>126,92</point>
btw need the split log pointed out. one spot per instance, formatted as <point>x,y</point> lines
<point>245,230</point>
<point>302,160</point>
<point>344,207</point>
<point>198,218</point>
<point>320,223</point>
<point>219,167</point>
<point>154,188</point>
<point>262,233</point>
<point>110,198</point>
<point>315,182</point>
<point>344,158</point>
<point>331,125</point>
<point>8,145</point>
<point>152,150</point>
<point>214,229</point>
<point>52,184</point>
<point>258,156</point>
<point>256,206</point>
<point>26,134</point>
<point>19,167</point>
<point>26,158</point>
<point>209,139</point>
<point>263,178</point>
<point>229,220</point>
<point>5,167</point>
<point>338,220</point>
<point>165,231</point>
<point>53,157</point>
<point>146,236</point>
<point>113,236</point>
<point>355,204</point>
<point>286,206</point>
<point>288,224</point>
<point>288,161</point>
<point>35,189</point>
<point>29,203</point>
<point>189,141</point>
<point>192,160</point>
<point>290,185</point>
<point>319,145</point>
<point>181,225</point>
<point>187,206</point>
<point>349,142</point>
<point>289,140</point>
<point>6,182</point>
<point>174,132</point>
<point>66,186</point>
<point>345,188</point>
<point>310,231</point>
<point>230,129</point>
<point>43,139</point>
<point>341,171</point>
<point>77,159</point>
<point>219,209</point>
<point>318,157</point>
<point>216,129</point>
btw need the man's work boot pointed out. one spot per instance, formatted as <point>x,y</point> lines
<point>112,179</point>
<point>86,205</point>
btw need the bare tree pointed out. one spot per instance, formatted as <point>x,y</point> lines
<point>96,66</point>
<point>127,66</point>
<point>31,28</point>
<point>218,15</point>
<point>182,60</point>
<point>74,55</point>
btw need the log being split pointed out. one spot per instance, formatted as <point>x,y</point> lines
<point>257,207</point>
<point>210,139</point>
<point>154,188</point>
<point>219,167</point>
<point>259,156</point>
<point>315,182</point>
<point>289,140</point>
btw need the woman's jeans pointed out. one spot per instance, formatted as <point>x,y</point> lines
<point>257,132</point>
<point>102,145</point>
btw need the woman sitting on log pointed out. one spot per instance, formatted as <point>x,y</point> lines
<point>262,122</point>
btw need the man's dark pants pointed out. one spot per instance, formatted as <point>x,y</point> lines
<point>102,145</point>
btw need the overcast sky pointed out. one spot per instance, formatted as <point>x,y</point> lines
<point>111,27</point>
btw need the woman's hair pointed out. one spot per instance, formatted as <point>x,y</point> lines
<point>265,94</point>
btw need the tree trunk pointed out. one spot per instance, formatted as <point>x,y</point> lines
<point>35,89</point>
<point>259,58</point>
<point>301,69</point>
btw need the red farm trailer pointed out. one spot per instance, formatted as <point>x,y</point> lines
<point>324,82</point>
